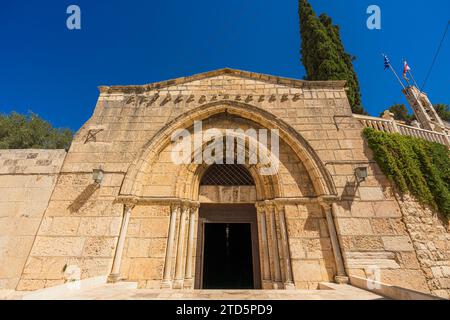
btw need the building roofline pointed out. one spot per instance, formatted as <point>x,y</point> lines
<point>295,83</point>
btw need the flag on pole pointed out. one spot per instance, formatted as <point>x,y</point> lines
<point>406,68</point>
<point>387,63</point>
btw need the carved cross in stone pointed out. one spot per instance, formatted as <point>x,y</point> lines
<point>92,135</point>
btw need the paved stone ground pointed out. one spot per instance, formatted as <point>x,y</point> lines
<point>128,291</point>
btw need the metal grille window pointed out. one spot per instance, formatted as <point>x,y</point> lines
<point>227,175</point>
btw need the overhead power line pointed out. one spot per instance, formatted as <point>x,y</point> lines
<point>435,56</point>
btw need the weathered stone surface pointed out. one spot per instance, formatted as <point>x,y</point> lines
<point>397,243</point>
<point>303,228</point>
<point>146,268</point>
<point>382,260</point>
<point>430,237</point>
<point>138,247</point>
<point>382,227</point>
<point>387,209</point>
<point>306,270</point>
<point>154,227</point>
<point>354,226</point>
<point>373,194</point>
<point>58,246</point>
<point>411,279</point>
<point>27,179</point>
<point>99,247</point>
<point>55,226</point>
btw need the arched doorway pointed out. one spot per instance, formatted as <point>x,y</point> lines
<point>227,248</point>
<point>288,207</point>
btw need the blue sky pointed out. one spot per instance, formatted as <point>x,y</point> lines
<point>46,68</point>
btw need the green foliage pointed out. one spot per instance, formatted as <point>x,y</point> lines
<point>400,113</point>
<point>323,54</point>
<point>18,131</point>
<point>443,110</point>
<point>415,165</point>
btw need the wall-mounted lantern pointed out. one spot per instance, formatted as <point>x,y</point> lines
<point>97,175</point>
<point>361,174</point>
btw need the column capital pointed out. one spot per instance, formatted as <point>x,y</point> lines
<point>184,205</point>
<point>195,205</point>
<point>325,205</point>
<point>175,206</point>
<point>270,204</point>
<point>327,200</point>
<point>279,205</point>
<point>260,207</point>
<point>129,206</point>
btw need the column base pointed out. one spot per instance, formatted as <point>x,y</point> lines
<point>341,279</point>
<point>113,278</point>
<point>267,285</point>
<point>166,284</point>
<point>289,286</point>
<point>278,286</point>
<point>188,284</point>
<point>178,284</point>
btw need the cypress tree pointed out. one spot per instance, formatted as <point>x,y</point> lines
<point>323,54</point>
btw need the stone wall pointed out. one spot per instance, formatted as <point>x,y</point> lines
<point>145,247</point>
<point>310,246</point>
<point>374,238</point>
<point>78,232</point>
<point>82,222</point>
<point>430,234</point>
<point>27,180</point>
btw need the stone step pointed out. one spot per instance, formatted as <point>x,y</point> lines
<point>128,291</point>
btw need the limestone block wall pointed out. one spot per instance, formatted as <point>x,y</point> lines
<point>370,224</point>
<point>78,232</point>
<point>145,246</point>
<point>310,246</point>
<point>374,238</point>
<point>430,234</point>
<point>27,180</point>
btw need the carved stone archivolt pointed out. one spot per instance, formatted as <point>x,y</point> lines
<point>320,177</point>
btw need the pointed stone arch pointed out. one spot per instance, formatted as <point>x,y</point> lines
<point>267,187</point>
<point>319,175</point>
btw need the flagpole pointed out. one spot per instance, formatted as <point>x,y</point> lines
<point>408,70</point>
<point>396,75</point>
<point>412,77</point>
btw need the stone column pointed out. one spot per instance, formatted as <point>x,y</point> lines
<point>179,274</point>
<point>264,247</point>
<point>115,271</point>
<point>167,278</point>
<point>275,255</point>
<point>193,219</point>
<point>330,211</point>
<point>289,281</point>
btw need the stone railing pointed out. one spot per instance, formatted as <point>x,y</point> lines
<point>393,126</point>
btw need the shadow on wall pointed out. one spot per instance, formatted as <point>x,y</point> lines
<point>81,200</point>
<point>351,187</point>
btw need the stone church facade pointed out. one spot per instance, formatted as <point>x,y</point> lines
<point>147,220</point>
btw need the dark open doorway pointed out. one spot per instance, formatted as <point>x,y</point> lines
<point>228,256</point>
<point>227,266</point>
